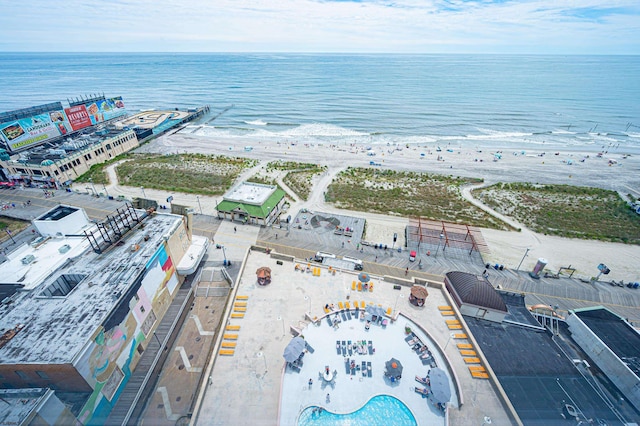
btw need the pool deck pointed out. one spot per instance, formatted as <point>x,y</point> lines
<point>252,386</point>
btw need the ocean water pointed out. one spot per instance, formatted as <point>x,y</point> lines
<point>503,100</point>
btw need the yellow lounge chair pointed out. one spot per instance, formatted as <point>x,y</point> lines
<point>242,297</point>
<point>237,315</point>
<point>472,360</point>
<point>467,352</point>
<point>340,305</point>
<point>388,312</point>
<point>239,309</point>
<point>370,286</point>
<point>347,305</point>
<point>460,336</point>
<point>240,304</point>
<point>355,304</point>
<point>359,286</point>
<point>479,375</point>
<point>447,313</point>
<point>326,310</point>
<point>454,326</point>
<point>228,344</point>
<point>477,368</point>
<point>231,336</point>
<point>353,285</point>
<point>465,346</point>
<point>453,321</point>
<point>226,352</point>
<point>362,304</point>
<point>444,308</point>
<point>232,328</point>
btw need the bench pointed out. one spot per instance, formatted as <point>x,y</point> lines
<point>232,328</point>
<point>228,344</point>
<point>230,336</point>
<point>226,352</point>
<point>237,315</point>
<point>472,360</point>
<point>242,297</point>
<point>465,346</point>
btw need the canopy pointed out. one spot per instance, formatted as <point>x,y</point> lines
<point>364,277</point>
<point>439,385</point>
<point>419,292</point>
<point>394,368</point>
<point>293,349</point>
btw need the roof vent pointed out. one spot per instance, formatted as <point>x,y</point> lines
<point>65,248</point>
<point>28,259</point>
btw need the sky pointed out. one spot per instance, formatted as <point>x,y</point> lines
<point>348,26</point>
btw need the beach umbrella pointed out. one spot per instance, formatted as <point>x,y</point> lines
<point>364,277</point>
<point>394,368</point>
<point>293,349</point>
<point>440,389</point>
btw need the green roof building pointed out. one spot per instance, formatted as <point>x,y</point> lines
<point>252,203</point>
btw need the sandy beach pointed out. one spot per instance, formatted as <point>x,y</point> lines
<point>616,169</point>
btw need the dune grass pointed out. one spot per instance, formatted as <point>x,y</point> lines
<point>187,173</point>
<point>397,193</point>
<point>566,211</point>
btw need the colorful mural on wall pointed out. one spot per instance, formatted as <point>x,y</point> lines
<point>107,363</point>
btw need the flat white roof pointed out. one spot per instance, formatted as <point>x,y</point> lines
<point>56,328</point>
<point>250,193</point>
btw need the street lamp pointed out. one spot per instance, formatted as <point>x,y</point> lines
<point>306,297</point>
<point>451,336</point>
<point>396,304</point>
<point>143,194</point>
<point>94,187</point>
<point>525,255</point>
<point>439,242</point>
<point>199,205</point>
<point>281,319</point>
<point>105,189</point>
<point>10,236</point>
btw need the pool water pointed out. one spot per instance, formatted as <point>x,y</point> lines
<point>380,410</point>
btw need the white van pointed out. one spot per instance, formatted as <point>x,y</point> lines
<point>321,255</point>
<point>357,262</point>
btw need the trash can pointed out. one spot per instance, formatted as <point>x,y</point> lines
<point>540,264</point>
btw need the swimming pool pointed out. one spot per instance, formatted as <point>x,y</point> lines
<point>380,410</point>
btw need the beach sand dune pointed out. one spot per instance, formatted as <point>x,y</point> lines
<point>614,170</point>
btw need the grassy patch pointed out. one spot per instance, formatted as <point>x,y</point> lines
<point>13,225</point>
<point>566,211</point>
<point>187,173</point>
<point>392,192</point>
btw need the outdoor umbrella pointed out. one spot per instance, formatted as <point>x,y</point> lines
<point>394,368</point>
<point>375,310</point>
<point>439,385</point>
<point>293,349</point>
<point>364,277</point>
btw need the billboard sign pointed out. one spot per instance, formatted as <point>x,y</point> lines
<point>105,109</point>
<point>33,130</point>
<point>78,117</point>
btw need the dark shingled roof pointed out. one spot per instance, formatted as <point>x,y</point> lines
<point>476,290</point>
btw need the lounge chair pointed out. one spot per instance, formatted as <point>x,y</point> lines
<point>348,314</point>
<point>468,352</point>
<point>347,305</point>
<point>479,375</point>
<point>447,313</point>
<point>454,326</point>
<point>370,347</point>
<point>388,312</point>
<point>239,309</point>
<point>369,373</point>
<point>477,368</point>
<point>340,306</point>
<point>353,285</point>
<point>330,322</point>
<point>370,286</point>
<point>232,328</point>
<point>464,346</point>
<point>347,365</point>
<point>225,352</point>
<point>452,321</point>
<point>359,286</point>
<point>309,348</point>
<point>422,391</point>
<point>338,348</point>
<point>228,344</point>
<point>423,380</point>
<point>349,348</point>
<point>326,310</point>
<point>364,369</point>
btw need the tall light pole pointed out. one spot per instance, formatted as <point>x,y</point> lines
<point>525,255</point>
<point>451,336</point>
<point>199,205</point>
<point>94,187</point>
<point>105,189</point>
<point>143,194</point>
<point>439,242</point>
<point>306,297</point>
<point>396,304</point>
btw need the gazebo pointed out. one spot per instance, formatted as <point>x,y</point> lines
<point>418,295</point>
<point>264,275</point>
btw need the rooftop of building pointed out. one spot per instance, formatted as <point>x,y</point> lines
<point>250,193</point>
<point>69,293</point>
<point>17,404</point>
<point>475,290</point>
<point>615,333</point>
<point>538,376</point>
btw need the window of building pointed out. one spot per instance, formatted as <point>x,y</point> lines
<point>142,309</point>
<point>42,375</point>
<point>22,375</point>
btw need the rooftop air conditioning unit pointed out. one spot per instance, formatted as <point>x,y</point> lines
<point>28,259</point>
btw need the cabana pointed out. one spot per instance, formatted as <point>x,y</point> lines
<point>418,295</point>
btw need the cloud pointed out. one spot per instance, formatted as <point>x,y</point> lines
<point>425,26</point>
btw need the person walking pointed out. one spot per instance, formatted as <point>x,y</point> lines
<point>406,272</point>
<point>234,229</point>
<point>328,398</point>
<point>310,383</point>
